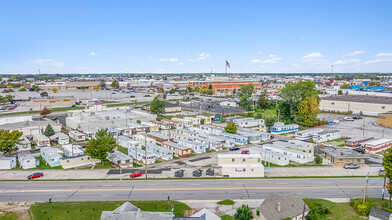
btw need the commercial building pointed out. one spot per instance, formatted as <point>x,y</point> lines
<point>31,127</point>
<point>366,104</point>
<point>52,101</point>
<point>385,119</point>
<point>224,86</point>
<point>357,142</point>
<point>341,156</point>
<point>169,107</point>
<point>377,145</point>
<point>241,165</point>
<point>281,128</point>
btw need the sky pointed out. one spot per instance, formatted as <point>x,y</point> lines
<point>194,36</point>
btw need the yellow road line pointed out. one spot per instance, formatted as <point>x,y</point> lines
<point>184,189</point>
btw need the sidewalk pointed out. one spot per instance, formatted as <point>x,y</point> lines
<point>103,173</point>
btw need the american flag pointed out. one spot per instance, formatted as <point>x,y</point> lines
<point>227,64</point>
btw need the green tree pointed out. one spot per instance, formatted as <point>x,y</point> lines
<point>263,102</point>
<point>157,106</point>
<point>345,86</point>
<point>44,94</point>
<point>258,115</point>
<point>115,84</point>
<point>101,145</point>
<point>8,141</point>
<point>49,131</point>
<point>340,92</point>
<point>231,128</point>
<point>234,92</point>
<point>308,110</point>
<point>102,84</point>
<point>293,95</point>
<point>245,93</point>
<point>243,213</point>
<point>374,83</point>
<point>138,121</point>
<point>269,122</point>
<point>387,164</point>
<point>210,87</point>
<point>160,90</point>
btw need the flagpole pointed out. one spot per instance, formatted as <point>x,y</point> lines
<point>226,67</point>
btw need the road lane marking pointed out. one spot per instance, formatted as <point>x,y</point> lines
<point>186,189</point>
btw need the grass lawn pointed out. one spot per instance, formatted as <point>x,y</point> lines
<point>137,165</point>
<point>123,150</point>
<point>9,216</point>
<point>226,202</point>
<point>175,158</point>
<point>227,217</point>
<point>44,165</point>
<point>265,163</point>
<point>337,140</point>
<point>341,145</point>
<point>335,210</point>
<point>59,109</point>
<point>93,210</point>
<point>106,165</point>
<point>209,151</point>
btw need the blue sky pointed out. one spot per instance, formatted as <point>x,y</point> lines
<point>195,35</point>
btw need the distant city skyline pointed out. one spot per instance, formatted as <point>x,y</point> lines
<point>195,36</point>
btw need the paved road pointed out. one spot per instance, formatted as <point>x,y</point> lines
<point>185,189</point>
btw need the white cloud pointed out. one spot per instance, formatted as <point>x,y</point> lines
<point>48,62</point>
<point>342,62</point>
<point>313,55</point>
<point>355,53</point>
<point>380,60</point>
<point>272,59</point>
<point>383,55</point>
<point>192,60</point>
<point>93,54</point>
<point>201,56</point>
<point>173,59</point>
<point>255,61</point>
<point>180,64</point>
<point>259,52</point>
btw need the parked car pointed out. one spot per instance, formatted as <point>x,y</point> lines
<point>272,137</point>
<point>234,148</point>
<point>351,166</point>
<point>360,149</point>
<point>381,172</point>
<point>348,119</point>
<point>245,152</point>
<point>11,108</point>
<point>135,174</point>
<point>35,175</point>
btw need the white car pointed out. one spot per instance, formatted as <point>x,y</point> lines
<point>348,119</point>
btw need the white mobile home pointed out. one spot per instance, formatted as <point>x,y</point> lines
<point>271,156</point>
<point>7,163</point>
<point>59,138</point>
<point>326,136</point>
<point>294,155</point>
<point>77,136</point>
<point>141,139</point>
<point>308,133</point>
<point>41,140</point>
<point>119,159</point>
<point>26,160</point>
<point>249,122</point>
<point>23,143</point>
<point>160,152</point>
<point>71,150</point>
<point>196,147</point>
<point>140,155</point>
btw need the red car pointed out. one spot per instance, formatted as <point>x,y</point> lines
<point>135,174</point>
<point>35,175</point>
<point>272,137</point>
<point>245,152</point>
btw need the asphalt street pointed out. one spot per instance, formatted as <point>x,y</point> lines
<point>20,191</point>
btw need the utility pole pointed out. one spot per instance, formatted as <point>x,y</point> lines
<point>365,191</point>
<point>383,188</point>
<point>278,114</point>
<point>303,212</point>
<point>145,150</point>
<point>383,131</point>
<point>363,128</point>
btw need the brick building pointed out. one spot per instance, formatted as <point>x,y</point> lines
<point>223,86</point>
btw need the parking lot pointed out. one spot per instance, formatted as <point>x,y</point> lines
<point>357,128</point>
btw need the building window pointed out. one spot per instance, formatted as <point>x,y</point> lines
<point>81,158</point>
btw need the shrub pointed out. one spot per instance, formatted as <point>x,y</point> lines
<point>21,89</point>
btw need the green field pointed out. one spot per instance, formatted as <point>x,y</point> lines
<point>93,210</point>
<point>9,216</point>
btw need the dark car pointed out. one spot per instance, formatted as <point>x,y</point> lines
<point>351,166</point>
<point>245,152</point>
<point>135,174</point>
<point>234,148</point>
<point>35,175</point>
